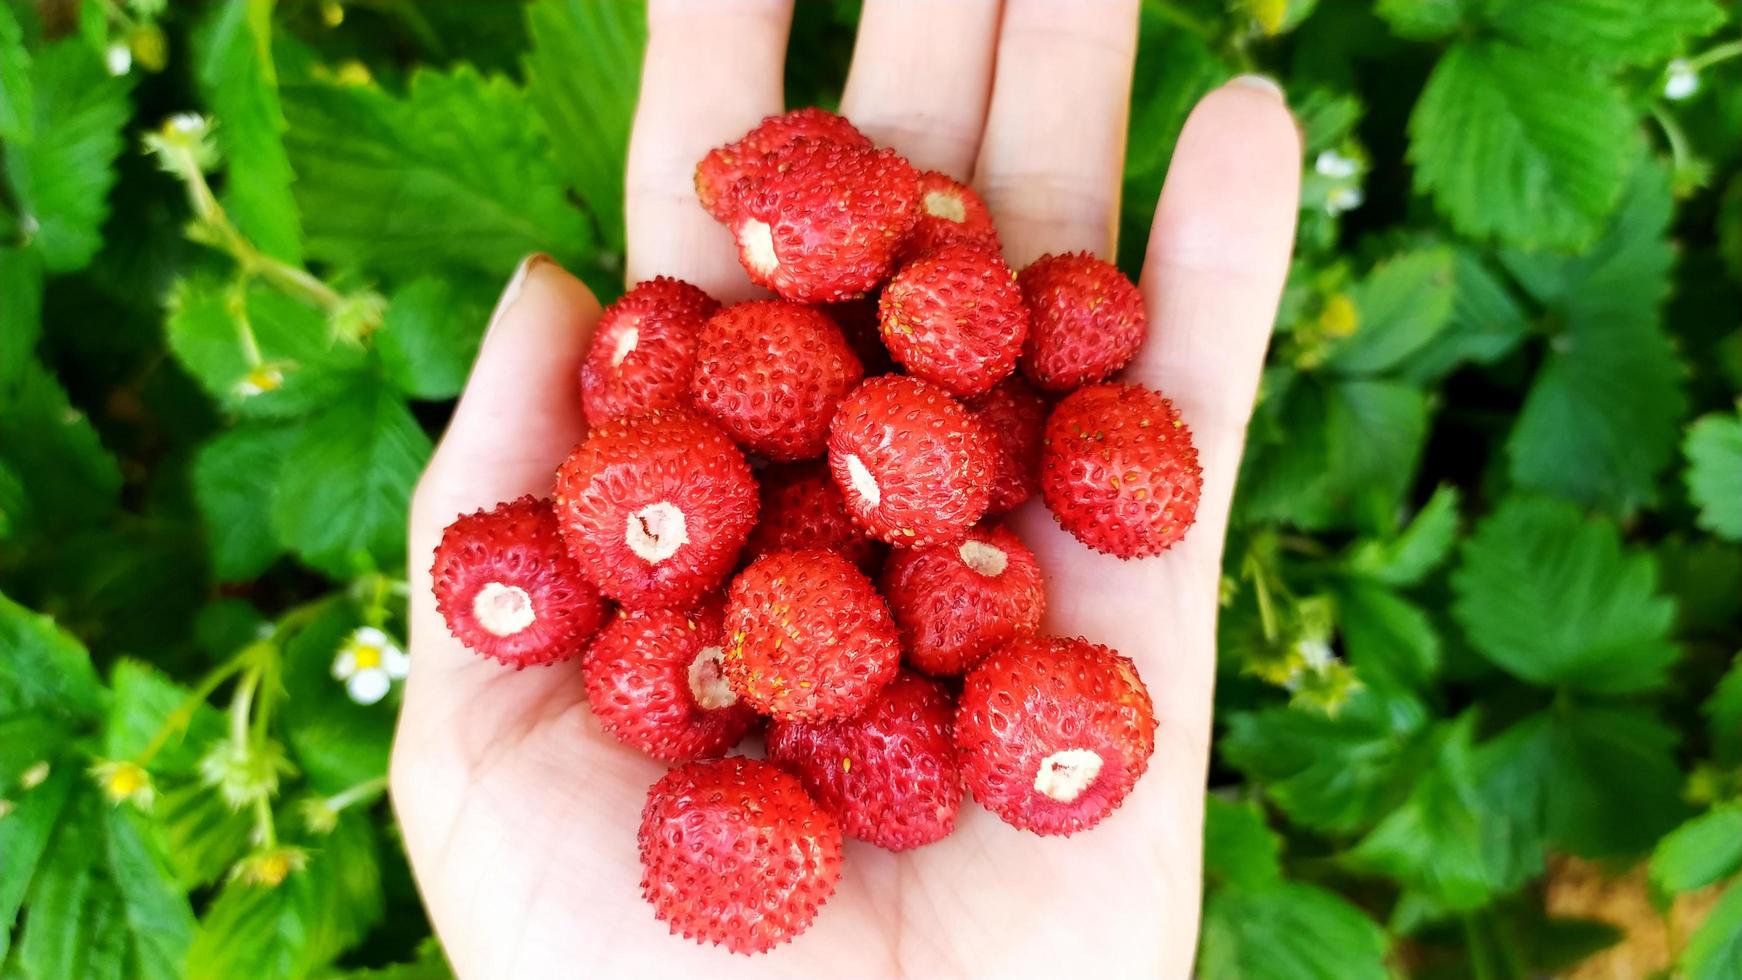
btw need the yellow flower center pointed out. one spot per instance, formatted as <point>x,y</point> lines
<point>367,656</point>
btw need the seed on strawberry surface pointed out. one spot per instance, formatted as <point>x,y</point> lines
<point>771,373</point>
<point>654,680</point>
<point>719,172</point>
<point>1054,732</point>
<point>949,211</point>
<point>1014,415</point>
<point>807,637</point>
<point>1086,320</point>
<point>643,350</point>
<point>913,465</point>
<point>655,508</point>
<point>954,317</point>
<point>955,603</point>
<point>1119,471</point>
<point>802,509</point>
<point>734,852</point>
<point>507,588</point>
<point>889,773</point>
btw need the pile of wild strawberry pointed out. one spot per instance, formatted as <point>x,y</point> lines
<point>744,470</point>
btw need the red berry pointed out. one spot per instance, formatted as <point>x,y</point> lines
<point>644,349</point>
<point>911,462</point>
<point>889,774</point>
<point>771,373</point>
<point>1119,471</point>
<point>720,170</point>
<point>653,678</point>
<point>655,508</point>
<point>949,211</point>
<point>1053,733</point>
<point>735,853</point>
<point>954,317</point>
<point>821,221</point>
<point>1086,320</point>
<point>1015,417</point>
<point>858,321</point>
<point>507,588</point>
<point>802,509</point>
<point>955,603</point>
<point>807,637</point>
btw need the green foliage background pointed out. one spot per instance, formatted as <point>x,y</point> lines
<point>1482,598</point>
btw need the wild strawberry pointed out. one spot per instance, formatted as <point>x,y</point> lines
<point>735,853</point>
<point>949,211</point>
<point>653,678</point>
<point>858,321</point>
<point>820,222</point>
<point>911,462</point>
<point>1086,320</point>
<point>643,351</point>
<point>655,508</point>
<point>802,509</point>
<point>954,317</point>
<point>1015,417</point>
<point>807,637</point>
<point>1119,471</point>
<point>889,774</point>
<point>1053,733</point>
<point>507,588</point>
<point>955,603</point>
<point>721,169</point>
<point>771,373</point>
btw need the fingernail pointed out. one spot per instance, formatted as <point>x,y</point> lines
<point>1260,83</point>
<point>511,292</point>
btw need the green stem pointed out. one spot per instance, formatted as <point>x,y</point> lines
<point>1181,18</point>
<point>1717,55</point>
<point>365,791</point>
<point>1672,132</point>
<point>183,713</point>
<point>293,280</point>
<point>242,705</point>
<point>265,831</point>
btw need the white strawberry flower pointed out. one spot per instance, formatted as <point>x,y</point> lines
<point>1332,164</point>
<point>368,663</point>
<point>118,58</point>
<point>1346,197</point>
<point>260,380</point>
<point>1680,80</point>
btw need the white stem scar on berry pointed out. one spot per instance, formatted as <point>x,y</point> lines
<point>757,240</point>
<point>626,342</point>
<point>864,484</point>
<point>942,204</point>
<point>708,682</point>
<point>655,532</point>
<point>1064,775</point>
<point>983,558</point>
<point>504,610</point>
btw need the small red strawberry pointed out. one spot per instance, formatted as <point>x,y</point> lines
<point>949,211</point>
<point>1015,417</point>
<point>954,317</point>
<point>643,351</point>
<point>1053,733</point>
<point>858,320</point>
<point>911,462</point>
<point>734,852</point>
<point>820,222</point>
<point>955,603</point>
<point>653,678</point>
<point>721,169</point>
<point>655,508</point>
<point>1086,320</point>
<point>807,637</point>
<point>770,373</point>
<point>802,509</point>
<point>889,774</point>
<point>1119,471</point>
<point>507,588</point>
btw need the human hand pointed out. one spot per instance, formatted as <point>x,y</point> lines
<point>520,813</point>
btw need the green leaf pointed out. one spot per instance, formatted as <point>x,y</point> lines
<point>203,837</point>
<point>44,669</point>
<point>1410,556</point>
<point>1699,852</point>
<point>1288,931</point>
<point>1239,850</point>
<point>431,333</point>
<point>144,699</point>
<point>21,298</point>
<point>17,100</point>
<point>1422,20</point>
<point>228,474</point>
<point>583,74</point>
<point>239,83</point>
<point>1714,474</point>
<point>1388,639</point>
<point>1487,323</point>
<point>1704,577</point>
<point>342,496</point>
<point>26,832</point>
<point>1520,145</point>
<point>62,175</point>
<point>1401,306</point>
<point>1619,32</point>
<point>1714,951</point>
<point>1551,598</point>
<point>454,174</point>
<point>70,480</point>
<point>1723,711</point>
<point>430,964</point>
<point>338,743</point>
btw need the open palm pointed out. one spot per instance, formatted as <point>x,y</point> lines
<point>519,812</point>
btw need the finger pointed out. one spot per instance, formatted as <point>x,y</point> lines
<point>921,75</point>
<point>713,70</point>
<point>1054,145</point>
